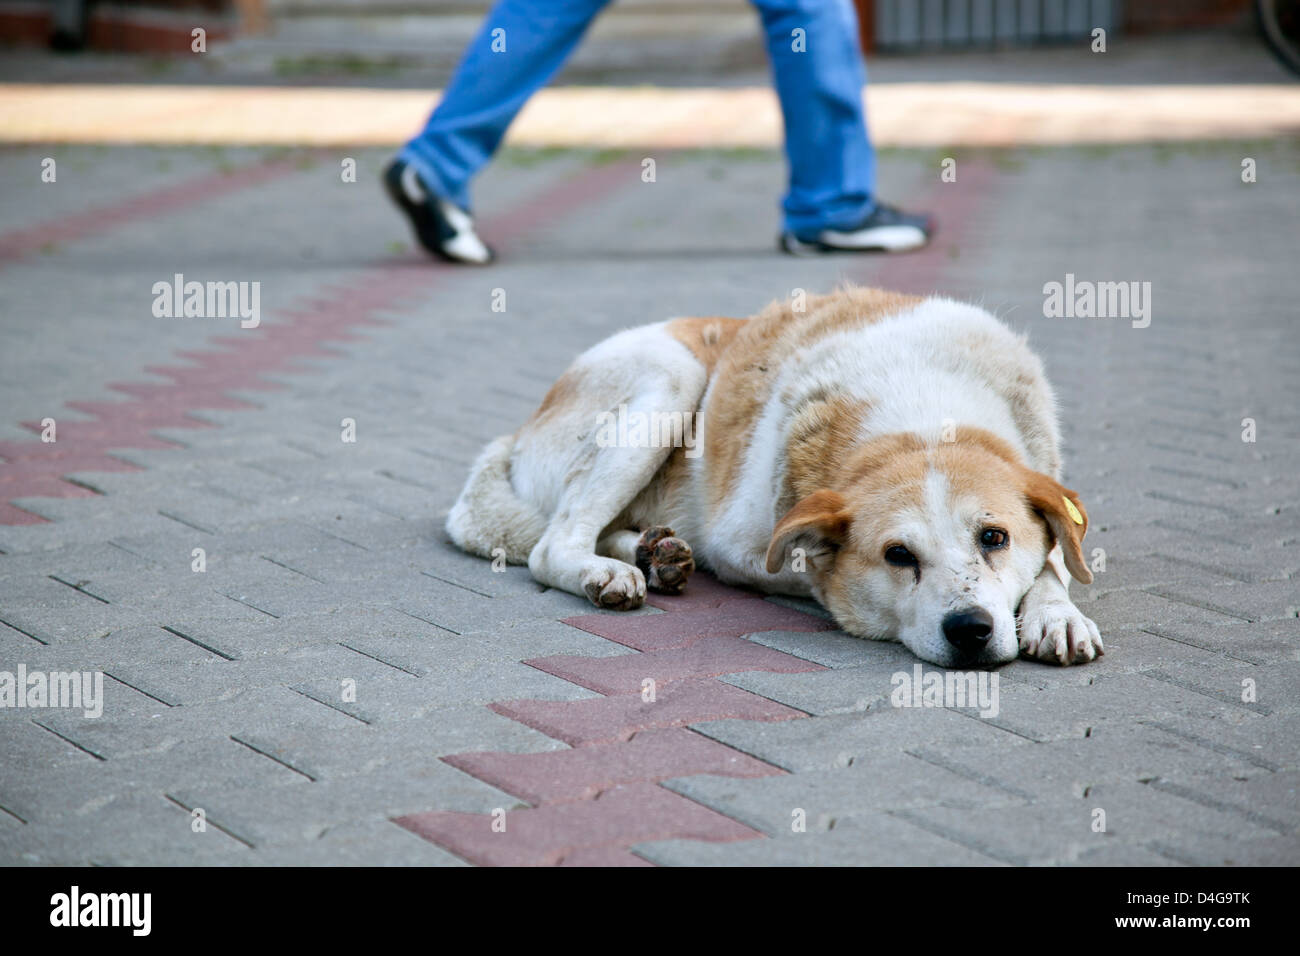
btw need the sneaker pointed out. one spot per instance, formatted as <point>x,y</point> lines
<point>442,227</point>
<point>886,230</point>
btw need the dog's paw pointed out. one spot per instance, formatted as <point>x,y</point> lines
<point>665,560</point>
<point>614,585</point>
<point>1058,633</point>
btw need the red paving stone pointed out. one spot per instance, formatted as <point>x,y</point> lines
<point>21,243</point>
<point>20,469</point>
<point>129,424</point>
<point>234,362</point>
<point>711,657</point>
<point>603,856</point>
<point>600,719</point>
<point>594,801</point>
<point>13,515</point>
<point>41,485</point>
<point>557,776</point>
<point>657,632</point>
<point>703,590</point>
<point>544,835</point>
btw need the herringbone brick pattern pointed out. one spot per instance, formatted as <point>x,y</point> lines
<point>336,666</point>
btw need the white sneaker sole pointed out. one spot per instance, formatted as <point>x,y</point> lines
<point>882,238</point>
<point>465,246</point>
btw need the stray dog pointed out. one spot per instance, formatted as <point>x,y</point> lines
<point>895,457</point>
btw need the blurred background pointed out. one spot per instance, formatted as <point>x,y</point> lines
<point>638,46</point>
<point>664,41</point>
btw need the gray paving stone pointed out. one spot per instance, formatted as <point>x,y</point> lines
<point>1271,742</point>
<point>461,611</point>
<point>1060,830</point>
<point>432,649</point>
<point>261,636</point>
<point>42,591</point>
<point>188,683</point>
<point>370,843</point>
<point>130,830</point>
<point>1111,854</point>
<point>839,691</point>
<point>1268,800</point>
<point>1136,608</point>
<point>398,696</point>
<point>828,742</point>
<point>1217,850</point>
<point>1072,710</point>
<point>135,724</point>
<point>37,565</point>
<point>79,791</point>
<point>265,816</point>
<point>26,744</point>
<point>836,649</point>
<point>91,620</point>
<point>452,566</point>
<point>869,839</point>
<point>827,796</point>
<point>360,749</point>
<point>174,547</point>
<point>128,647</point>
<point>77,528</point>
<point>1114,753</point>
<point>20,636</point>
<point>1257,565</point>
<point>1127,652</point>
<point>1256,643</point>
<point>1252,602</point>
<point>1268,688</point>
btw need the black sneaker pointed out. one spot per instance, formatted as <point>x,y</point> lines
<point>886,230</point>
<point>442,227</point>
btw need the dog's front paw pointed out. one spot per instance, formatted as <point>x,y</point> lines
<point>614,585</point>
<point>1058,633</point>
<point>665,560</point>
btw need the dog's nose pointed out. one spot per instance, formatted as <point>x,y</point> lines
<point>968,630</point>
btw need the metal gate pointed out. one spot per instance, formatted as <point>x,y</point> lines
<point>915,24</point>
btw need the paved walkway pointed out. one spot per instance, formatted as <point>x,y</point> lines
<point>902,114</point>
<point>339,685</point>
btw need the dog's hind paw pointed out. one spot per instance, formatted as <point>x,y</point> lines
<point>1059,634</point>
<point>614,585</point>
<point>665,560</point>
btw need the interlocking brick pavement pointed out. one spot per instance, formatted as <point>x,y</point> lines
<point>338,666</point>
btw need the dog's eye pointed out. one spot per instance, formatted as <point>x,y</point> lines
<point>994,538</point>
<point>899,556</point>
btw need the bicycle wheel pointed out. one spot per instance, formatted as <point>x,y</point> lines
<point>1279,21</point>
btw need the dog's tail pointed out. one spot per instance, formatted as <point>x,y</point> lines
<point>489,516</point>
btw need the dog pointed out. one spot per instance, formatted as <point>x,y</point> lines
<point>892,456</point>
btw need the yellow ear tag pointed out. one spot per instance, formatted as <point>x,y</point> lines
<point>1072,510</point>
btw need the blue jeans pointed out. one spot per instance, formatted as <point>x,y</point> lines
<point>832,164</point>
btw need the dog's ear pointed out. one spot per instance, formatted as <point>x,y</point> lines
<point>1065,516</point>
<point>819,522</point>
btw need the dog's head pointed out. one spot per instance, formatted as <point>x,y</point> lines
<point>933,544</point>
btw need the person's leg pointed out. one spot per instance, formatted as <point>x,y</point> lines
<point>520,46</point>
<point>819,78</point>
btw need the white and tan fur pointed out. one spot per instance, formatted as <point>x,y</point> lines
<point>828,437</point>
